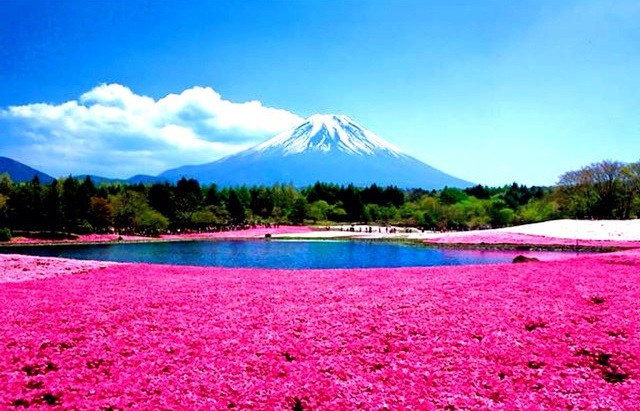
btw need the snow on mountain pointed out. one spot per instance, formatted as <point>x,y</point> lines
<point>323,132</point>
<point>325,147</point>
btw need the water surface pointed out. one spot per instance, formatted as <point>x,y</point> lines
<point>284,254</point>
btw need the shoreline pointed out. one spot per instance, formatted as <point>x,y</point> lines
<point>594,247</point>
<point>94,239</point>
<point>18,267</point>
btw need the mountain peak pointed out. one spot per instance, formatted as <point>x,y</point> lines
<point>328,118</point>
<point>328,132</point>
<point>331,148</point>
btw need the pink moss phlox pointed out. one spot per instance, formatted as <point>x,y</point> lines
<point>185,338</point>
<point>102,238</point>
<point>15,268</point>
<point>493,237</point>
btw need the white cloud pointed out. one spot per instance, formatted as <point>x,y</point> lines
<point>114,132</point>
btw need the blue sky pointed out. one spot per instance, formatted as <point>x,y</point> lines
<point>490,91</point>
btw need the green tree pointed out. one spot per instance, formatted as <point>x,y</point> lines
<point>213,196</point>
<point>261,203</point>
<point>76,198</point>
<point>150,222</point>
<point>284,197</point>
<point>352,203</point>
<point>100,214</point>
<point>235,208</point>
<point>5,234</point>
<point>432,213</point>
<point>6,188</point>
<point>131,211</point>
<point>133,214</point>
<point>6,185</point>
<point>209,216</point>
<point>53,216</point>
<point>337,213</point>
<point>501,215</point>
<point>479,191</point>
<point>299,210</point>
<point>449,196</point>
<point>596,190</point>
<point>475,212</point>
<point>188,199</point>
<point>322,191</point>
<point>162,198</point>
<point>630,176</point>
<point>538,210</point>
<point>26,206</point>
<point>318,211</point>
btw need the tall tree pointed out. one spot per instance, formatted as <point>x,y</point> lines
<point>53,215</point>
<point>235,208</point>
<point>188,200</point>
<point>213,197</point>
<point>162,198</point>
<point>261,201</point>
<point>299,210</point>
<point>75,203</point>
<point>352,203</point>
<point>596,190</point>
<point>100,214</point>
<point>132,214</point>
<point>450,195</point>
<point>631,188</point>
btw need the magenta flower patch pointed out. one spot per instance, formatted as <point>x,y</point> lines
<point>542,336</point>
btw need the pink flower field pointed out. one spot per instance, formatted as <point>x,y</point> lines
<point>17,268</point>
<point>491,237</point>
<point>536,336</point>
<point>236,234</point>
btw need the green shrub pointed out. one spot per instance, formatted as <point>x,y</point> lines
<point>5,234</point>
<point>84,227</point>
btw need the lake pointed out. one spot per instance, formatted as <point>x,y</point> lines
<point>282,254</point>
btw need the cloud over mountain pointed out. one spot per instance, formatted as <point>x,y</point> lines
<point>110,130</point>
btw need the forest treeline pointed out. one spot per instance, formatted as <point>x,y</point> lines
<point>602,190</point>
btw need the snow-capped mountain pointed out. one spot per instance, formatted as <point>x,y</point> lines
<point>326,132</point>
<point>326,148</point>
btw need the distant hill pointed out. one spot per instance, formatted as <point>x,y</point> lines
<point>326,148</point>
<point>20,173</point>
<point>145,179</point>
<point>137,179</point>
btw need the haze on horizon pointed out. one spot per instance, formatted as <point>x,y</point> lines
<point>491,92</point>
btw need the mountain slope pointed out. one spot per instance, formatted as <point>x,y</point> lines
<point>20,172</point>
<point>327,148</point>
<point>137,179</point>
